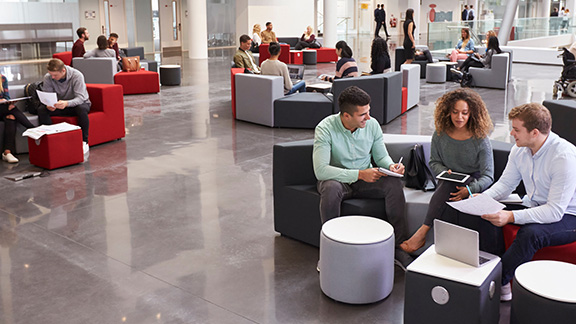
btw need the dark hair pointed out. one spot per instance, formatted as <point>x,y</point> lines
<point>102,42</point>
<point>378,6</point>
<point>244,38</point>
<point>352,98</point>
<point>379,48</point>
<point>479,122</point>
<point>346,50</point>
<point>80,31</point>
<point>268,23</point>
<point>55,65</point>
<point>410,14</point>
<point>534,116</point>
<point>494,44</point>
<point>274,48</point>
<point>114,35</point>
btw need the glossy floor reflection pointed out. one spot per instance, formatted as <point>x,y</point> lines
<point>174,224</point>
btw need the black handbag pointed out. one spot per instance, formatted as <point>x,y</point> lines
<point>418,174</point>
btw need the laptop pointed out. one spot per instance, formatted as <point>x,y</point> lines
<point>459,243</point>
<point>296,72</point>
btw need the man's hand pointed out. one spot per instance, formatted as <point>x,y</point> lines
<point>460,194</point>
<point>51,108</point>
<point>61,104</point>
<point>370,175</point>
<point>397,167</point>
<point>500,218</point>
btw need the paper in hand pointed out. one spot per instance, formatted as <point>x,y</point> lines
<point>479,205</point>
<point>47,98</point>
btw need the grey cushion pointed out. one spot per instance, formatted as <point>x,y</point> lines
<point>496,76</point>
<point>97,69</point>
<point>301,110</point>
<point>255,95</point>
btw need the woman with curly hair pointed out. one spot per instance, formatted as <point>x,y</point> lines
<point>460,144</point>
<point>379,55</point>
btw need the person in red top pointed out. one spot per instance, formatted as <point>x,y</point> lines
<point>78,47</point>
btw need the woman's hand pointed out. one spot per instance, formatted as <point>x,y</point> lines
<point>462,193</point>
<point>3,100</point>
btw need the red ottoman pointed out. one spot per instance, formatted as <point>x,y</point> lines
<point>284,53</point>
<point>56,150</point>
<point>65,57</point>
<point>565,253</point>
<point>325,54</point>
<point>296,57</point>
<point>138,82</point>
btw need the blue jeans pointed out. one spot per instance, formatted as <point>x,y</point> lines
<point>530,238</point>
<point>300,86</point>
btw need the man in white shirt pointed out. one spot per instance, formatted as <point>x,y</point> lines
<point>545,163</point>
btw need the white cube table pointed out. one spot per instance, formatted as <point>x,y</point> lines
<point>357,259</point>
<point>442,290</point>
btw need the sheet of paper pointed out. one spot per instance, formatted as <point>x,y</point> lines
<point>512,199</point>
<point>47,98</point>
<point>479,205</point>
<point>37,132</point>
<point>390,173</point>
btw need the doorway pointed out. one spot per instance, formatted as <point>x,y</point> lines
<point>168,26</point>
<point>113,20</point>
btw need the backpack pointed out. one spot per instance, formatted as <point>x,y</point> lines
<point>466,80</point>
<point>417,173</point>
<point>33,103</point>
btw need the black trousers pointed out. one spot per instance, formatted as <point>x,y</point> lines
<point>10,125</point>
<point>80,111</point>
<point>470,62</point>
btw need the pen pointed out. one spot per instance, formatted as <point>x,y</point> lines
<point>400,161</point>
<point>470,192</point>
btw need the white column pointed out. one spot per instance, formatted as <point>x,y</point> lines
<point>197,30</point>
<point>507,21</point>
<point>330,21</point>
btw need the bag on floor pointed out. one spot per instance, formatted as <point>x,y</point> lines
<point>33,103</point>
<point>131,64</point>
<point>417,173</point>
<point>466,80</point>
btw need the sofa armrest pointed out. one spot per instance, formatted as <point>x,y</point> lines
<point>97,69</point>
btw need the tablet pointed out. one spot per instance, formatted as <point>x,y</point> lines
<point>454,176</point>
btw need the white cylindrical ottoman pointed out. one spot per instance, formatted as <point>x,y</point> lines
<point>544,292</point>
<point>357,259</point>
<point>170,74</point>
<point>435,72</point>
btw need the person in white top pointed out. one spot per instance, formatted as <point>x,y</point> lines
<point>544,162</point>
<point>256,40</point>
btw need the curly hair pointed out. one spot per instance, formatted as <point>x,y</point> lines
<point>379,48</point>
<point>479,122</point>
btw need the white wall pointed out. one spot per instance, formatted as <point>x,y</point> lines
<point>289,17</point>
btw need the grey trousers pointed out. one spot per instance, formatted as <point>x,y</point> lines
<point>333,192</point>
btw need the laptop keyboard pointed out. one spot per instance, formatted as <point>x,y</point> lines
<point>483,260</point>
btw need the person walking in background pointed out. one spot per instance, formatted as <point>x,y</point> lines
<point>471,16</point>
<point>383,20</point>
<point>377,20</point>
<point>464,16</point>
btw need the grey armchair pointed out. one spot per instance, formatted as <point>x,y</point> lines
<point>496,76</point>
<point>97,69</point>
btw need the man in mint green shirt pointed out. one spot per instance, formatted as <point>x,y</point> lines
<point>344,144</point>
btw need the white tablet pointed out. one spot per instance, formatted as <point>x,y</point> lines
<point>454,176</point>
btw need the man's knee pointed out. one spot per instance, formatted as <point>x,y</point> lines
<point>331,188</point>
<point>531,234</point>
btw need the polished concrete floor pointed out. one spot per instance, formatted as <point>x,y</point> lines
<point>174,224</point>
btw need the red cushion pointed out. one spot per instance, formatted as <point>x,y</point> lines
<point>296,57</point>
<point>565,253</point>
<point>106,113</point>
<point>233,72</point>
<point>66,57</point>
<point>325,54</point>
<point>284,53</point>
<point>404,99</point>
<point>138,82</point>
<point>56,150</point>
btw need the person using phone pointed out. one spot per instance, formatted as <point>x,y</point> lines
<point>461,144</point>
<point>9,115</point>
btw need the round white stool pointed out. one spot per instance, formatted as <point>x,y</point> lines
<point>544,292</point>
<point>435,72</point>
<point>357,259</point>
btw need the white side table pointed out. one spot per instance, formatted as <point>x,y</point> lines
<point>357,259</point>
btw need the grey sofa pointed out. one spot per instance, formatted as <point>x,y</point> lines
<point>296,200</point>
<point>292,41</point>
<point>495,77</point>
<point>384,89</point>
<point>139,51</point>
<point>302,110</point>
<point>400,58</point>
<point>97,69</point>
<point>17,91</point>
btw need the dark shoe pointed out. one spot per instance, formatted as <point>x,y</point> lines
<point>402,258</point>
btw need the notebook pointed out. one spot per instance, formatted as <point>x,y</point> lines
<point>296,72</point>
<point>459,243</point>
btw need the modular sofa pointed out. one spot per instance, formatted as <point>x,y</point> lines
<point>296,200</point>
<point>97,69</point>
<point>400,58</point>
<point>139,51</point>
<point>563,116</point>
<point>496,76</point>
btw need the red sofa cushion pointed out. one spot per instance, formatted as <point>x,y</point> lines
<point>66,57</point>
<point>284,53</point>
<point>565,253</point>
<point>325,54</point>
<point>404,100</point>
<point>138,82</point>
<point>233,72</point>
<point>106,113</point>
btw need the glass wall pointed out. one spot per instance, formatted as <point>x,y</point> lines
<point>221,23</point>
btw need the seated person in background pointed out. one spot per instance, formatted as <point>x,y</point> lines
<point>256,40</point>
<point>78,49</point>
<point>489,34</point>
<point>461,144</point>
<point>273,66</point>
<point>243,57</point>
<point>544,162</point>
<point>307,40</point>
<point>113,44</point>
<point>423,55</point>
<point>346,66</point>
<point>70,88</point>
<point>344,146</point>
<point>464,48</point>
<point>380,56</point>
<point>102,50</point>
<point>268,35</point>
<point>9,114</point>
<point>477,60</point>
